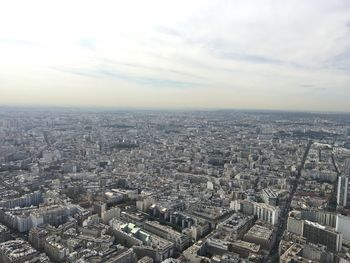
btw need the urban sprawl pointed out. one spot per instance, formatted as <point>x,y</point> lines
<point>127,186</point>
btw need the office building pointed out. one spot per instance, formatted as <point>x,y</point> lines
<point>318,234</point>
<point>342,193</point>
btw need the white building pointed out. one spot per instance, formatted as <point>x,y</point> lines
<point>264,212</point>
<point>342,193</point>
<point>343,226</point>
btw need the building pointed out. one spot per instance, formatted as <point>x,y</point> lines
<point>243,248</point>
<point>269,196</point>
<point>267,213</point>
<point>143,243</point>
<point>107,215</point>
<point>261,235</point>
<point>342,191</point>
<point>16,251</point>
<point>99,208</point>
<point>25,218</point>
<point>215,246</point>
<point>181,241</point>
<point>318,234</point>
<point>291,254</point>
<point>343,226</point>
<point>56,251</point>
<point>236,225</point>
<point>295,225</point>
<point>306,252</point>
<point>145,260</point>
<point>34,198</point>
<point>262,211</point>
<point>4,233</point>
<point>347,167</point>
<point>322,217</point>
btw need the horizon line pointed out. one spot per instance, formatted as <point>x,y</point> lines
<point>159,108</point>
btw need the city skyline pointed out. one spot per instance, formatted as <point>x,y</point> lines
<point>160,54</point>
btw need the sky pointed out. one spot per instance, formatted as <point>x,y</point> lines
<point>241,54</point>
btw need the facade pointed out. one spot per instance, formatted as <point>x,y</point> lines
<point>145,260</point>
<point>266,213</point>
<point>262,211</point>
<point>107,215</point>
<point>347,167</point>
<point>143,243</point>
<point>16,251</point>
<point>260,235</point>
<point>269,196</point>
<point>27,200</point>
<point>343,226</point>
<point>342,193</point>
<point>236,226</point>
<point>319,234</point>
<point>181,241</point>
<point>295,225</point>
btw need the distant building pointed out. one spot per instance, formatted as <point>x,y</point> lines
<point>236,225</point>
<point>16,251</point>
<point>269,196</point>
<point>295,225</point>
<point>266,213</point>
<point>322,217</point>
<point>319,234</point>
<point>106,216</point>
<point>99,208</point>
<point>243,248</point>
<point>261,235</point>
<point>262,211</point>
<point>145,260</point>
<point>342,193</point>
<point>34,198</point>
<point>4,233</point>
<point>347,167</point>
<point>315,233</point>
<point>143,243</point>
<point>343,226</point>
<point>180,240</point>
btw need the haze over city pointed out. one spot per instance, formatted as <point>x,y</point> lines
<point>290,55</point>
<point>187,131</point>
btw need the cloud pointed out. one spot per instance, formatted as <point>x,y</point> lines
<point>251,58</point>
<point>87,43</point>
<point>220,49</point>
<point>18,42</point>
<point>142,80</point>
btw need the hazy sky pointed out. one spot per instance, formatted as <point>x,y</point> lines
<point>282,54</point>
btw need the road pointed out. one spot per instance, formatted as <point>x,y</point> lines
<point>284,213</point>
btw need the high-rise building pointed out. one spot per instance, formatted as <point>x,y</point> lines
<point>295,225</point>
<point>342,193</point>
<point>343,223</point>
<point>347,167</point>
<point>318,234</point>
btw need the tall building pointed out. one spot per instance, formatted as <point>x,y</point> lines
<point>342,193</point>
<point>343,223</point>
<point>318,234</point>
<point>347,167</point>
<point>295,225</point>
